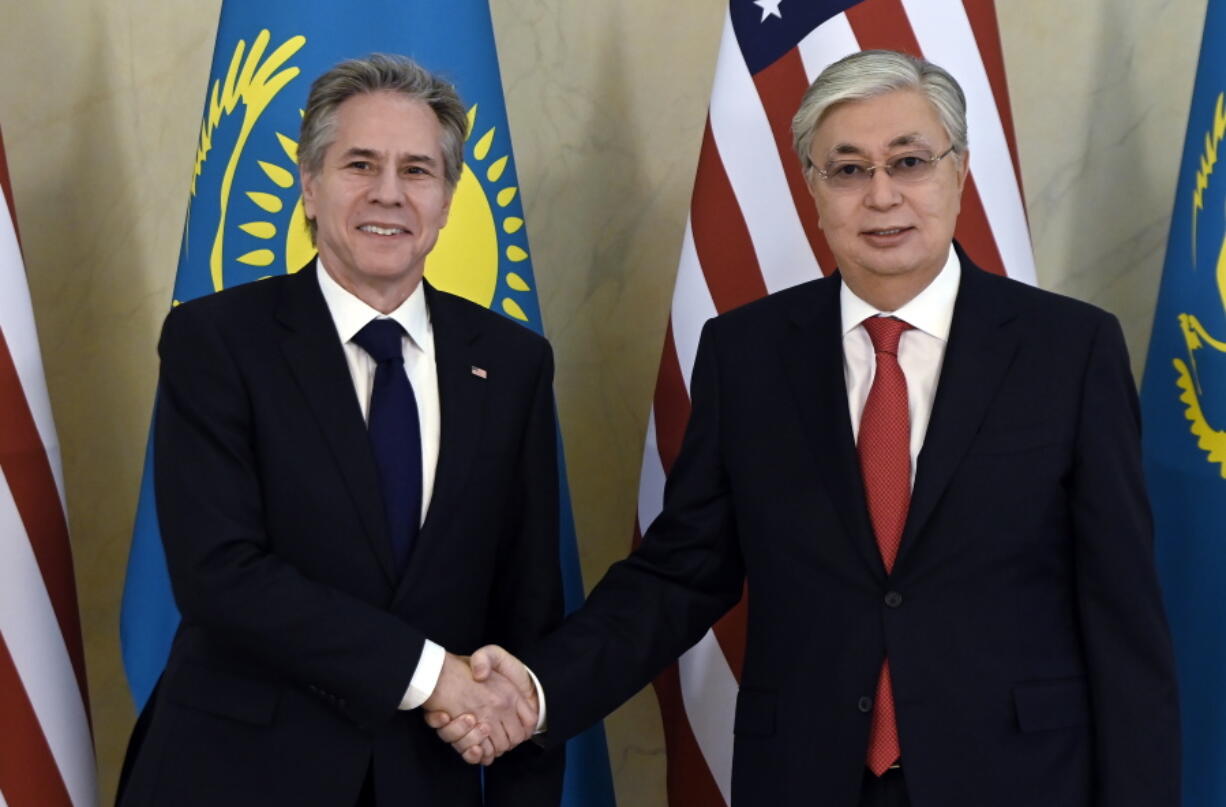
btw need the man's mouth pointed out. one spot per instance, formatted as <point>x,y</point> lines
<point>887,231</point>
<point>375,229</point>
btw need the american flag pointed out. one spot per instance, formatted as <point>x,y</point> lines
<point>46,751</point>
<point>753,230</point>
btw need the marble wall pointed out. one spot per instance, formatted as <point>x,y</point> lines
<point>100,111</point>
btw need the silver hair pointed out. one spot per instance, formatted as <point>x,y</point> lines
<point>868,74</point>
<point>380,72</point>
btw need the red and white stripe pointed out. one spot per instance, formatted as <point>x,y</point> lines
<point>46,748</point>
<point>753,230</point>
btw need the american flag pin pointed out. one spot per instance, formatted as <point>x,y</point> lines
<point>479,372</point>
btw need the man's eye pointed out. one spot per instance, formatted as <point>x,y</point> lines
<point>360,165</point>
<point>912,166</point>
<point>848,169</point>
<point>416,170</point>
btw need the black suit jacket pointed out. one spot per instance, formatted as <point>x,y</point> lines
<point>1027,643</point>
<point>298,640</point>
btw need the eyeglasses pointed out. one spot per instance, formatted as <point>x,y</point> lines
<point>911,168</point>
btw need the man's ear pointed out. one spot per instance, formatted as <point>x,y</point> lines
<point>447,208</point>
<point>308,192</point>
<point>812,182</point>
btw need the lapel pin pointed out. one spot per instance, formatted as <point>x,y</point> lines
<point>479,372</point>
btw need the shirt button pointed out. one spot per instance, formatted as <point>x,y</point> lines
<point>893,599</point>
<point>865,704</point>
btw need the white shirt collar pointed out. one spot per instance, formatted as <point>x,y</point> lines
<point>931,311</point>
<point>351,315</point>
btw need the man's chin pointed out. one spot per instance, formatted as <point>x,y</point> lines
<point>390,270</point>
<point>887,266</point>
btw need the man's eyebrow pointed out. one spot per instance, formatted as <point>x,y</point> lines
<point>364,153</point>
<point>846,148</point>
<point>908,139</point>
<point>359,152</point>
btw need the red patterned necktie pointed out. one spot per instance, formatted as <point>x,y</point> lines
<point>885,463</point>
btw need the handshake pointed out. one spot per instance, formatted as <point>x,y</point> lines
<point>483,705</point>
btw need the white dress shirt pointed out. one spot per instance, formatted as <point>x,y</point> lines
<point>921,350</point>
<point>350,315</point>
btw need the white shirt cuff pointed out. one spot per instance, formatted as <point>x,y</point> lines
<point>425,677</point>
<point>540,699</point>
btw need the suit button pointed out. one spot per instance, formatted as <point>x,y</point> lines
<point>893,599</point>
<point>865,704</point>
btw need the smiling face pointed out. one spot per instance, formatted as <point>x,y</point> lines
<point>379,198</point>
<point>890,238</point>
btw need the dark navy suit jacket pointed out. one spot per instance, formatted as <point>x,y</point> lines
<point>1028,647</point>
<point>298,639</point>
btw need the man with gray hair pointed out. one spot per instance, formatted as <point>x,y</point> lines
<point>356,479</point>
<point>929,477</point>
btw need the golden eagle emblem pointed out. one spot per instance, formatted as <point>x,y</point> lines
<point>1203,348</point>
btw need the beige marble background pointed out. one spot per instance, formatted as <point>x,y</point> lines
<point>100,108</point>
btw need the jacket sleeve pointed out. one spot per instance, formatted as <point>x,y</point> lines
<point>658,602</point>
<point>527,601</point>
<point>225,575</point>
<point>1128,649</point>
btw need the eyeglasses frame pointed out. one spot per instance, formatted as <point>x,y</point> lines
<point>872,167</point>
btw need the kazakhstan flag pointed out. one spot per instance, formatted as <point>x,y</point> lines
<point>1183,401</point>
<point>245,221</point>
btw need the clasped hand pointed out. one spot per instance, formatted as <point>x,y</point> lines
<point>483,706</point>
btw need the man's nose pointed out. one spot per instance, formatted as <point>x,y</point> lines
<point>385,188</point>
<point>882,191</point>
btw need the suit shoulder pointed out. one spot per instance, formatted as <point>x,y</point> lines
<point>238,321</point>
<point>490,323</point>
<point>1042,302</point>
<point>258,296</point>
<point>767,312</point>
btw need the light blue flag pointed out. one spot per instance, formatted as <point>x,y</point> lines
<point>245,221</point>
<point>1183,401</point>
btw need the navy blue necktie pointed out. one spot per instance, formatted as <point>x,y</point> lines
<point>395,434</point>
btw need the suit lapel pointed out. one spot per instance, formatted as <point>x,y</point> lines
<point>313,351</point>
<point>461,395</point>
<point>813,355</point>
<point>980,349</point>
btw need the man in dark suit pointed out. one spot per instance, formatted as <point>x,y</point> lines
<point>354,472</point>
<point>930,477</point>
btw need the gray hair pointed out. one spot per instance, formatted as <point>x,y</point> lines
<point>380,72</point>
<point>868,74</point>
